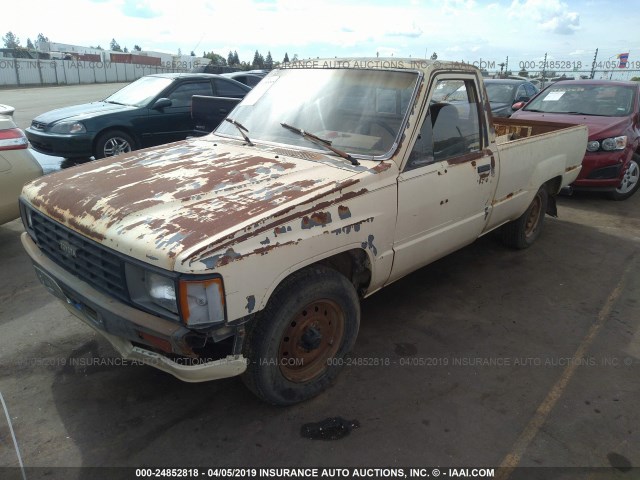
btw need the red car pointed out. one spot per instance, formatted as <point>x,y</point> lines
<point>611,111</point>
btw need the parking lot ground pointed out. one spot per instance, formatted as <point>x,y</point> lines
<point>487,357</point>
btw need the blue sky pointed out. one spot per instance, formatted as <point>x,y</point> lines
<point>470,30</point>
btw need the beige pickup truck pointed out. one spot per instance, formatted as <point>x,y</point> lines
<point>246,252</point>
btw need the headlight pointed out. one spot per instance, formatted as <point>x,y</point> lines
<point>68,127</point>
<point>614,143</point>
<point>202,302</point>
<point>593,146</point>
<point>161,291</point>
<point>195,301</point>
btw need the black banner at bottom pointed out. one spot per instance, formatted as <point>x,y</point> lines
<point>304,473</point>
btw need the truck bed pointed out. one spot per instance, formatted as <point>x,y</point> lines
<point>531,153</point>
<point>508,130</point>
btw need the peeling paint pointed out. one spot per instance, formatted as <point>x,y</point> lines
<point>344,212</point>
<point>382,167</point>
<point>316,219</point>
<point>222,259</point>
<point>251,303</point>
<point>369,244</point>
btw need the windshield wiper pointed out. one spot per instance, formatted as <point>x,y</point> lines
<point>241,128</point>
<point>321,141</point>
<point>115,103</point>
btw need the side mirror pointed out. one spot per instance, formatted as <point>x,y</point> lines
<point>161,103</point>
<point>518,105</point>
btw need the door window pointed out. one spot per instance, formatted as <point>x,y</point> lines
<point>229,89</point>
<point>181,96</point>
<point>452,126</point>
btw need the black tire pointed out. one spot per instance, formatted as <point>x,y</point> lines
<point>523,232</point>
<point>113,142</point>
<point>630,181</point>
<point>296,345</point>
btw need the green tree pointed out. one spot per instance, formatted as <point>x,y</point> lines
<point>126,50</point>
<point>11,41</point>
<point>180,52</point>
<point>230,58</point>
<point>115,46</point>
<point>635,79</point>
<point>523,73</point>
<point>268,62</point>
<point>137,48</point>
<point>258,61</point>
<point>286,58</point>
<point>236,59</point>
<point>193,54</point>
<point>41,38</point>
<point>215,58</point>
<point>30,45</point>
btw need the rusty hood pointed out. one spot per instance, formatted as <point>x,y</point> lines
<point>155,204</point>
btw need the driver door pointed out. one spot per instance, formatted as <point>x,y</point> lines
<point>447,183</point>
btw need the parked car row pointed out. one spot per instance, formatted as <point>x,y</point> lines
<point>156,109</point>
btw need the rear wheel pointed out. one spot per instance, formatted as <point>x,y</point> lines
<point>630,181</point>
<point>524,231</point>
<point>296,345</point>
<point>113,142</point>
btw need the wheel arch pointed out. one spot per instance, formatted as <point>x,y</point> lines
<point>354,263</point>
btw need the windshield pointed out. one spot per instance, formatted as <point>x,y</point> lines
<point>358,111</point>
<point>140,92</point>
<point>600,100</point>
<point>500,93</point>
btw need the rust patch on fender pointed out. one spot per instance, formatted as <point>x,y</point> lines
<point>231,239</point>
<point>381,167</point>
<point>344,212</point>
<point>316,219</point>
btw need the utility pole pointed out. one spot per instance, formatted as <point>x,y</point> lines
<point>544,70</point>
<point>506,68</point>
<point>593,65</point>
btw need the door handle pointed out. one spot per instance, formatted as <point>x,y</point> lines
<point>484,168</point>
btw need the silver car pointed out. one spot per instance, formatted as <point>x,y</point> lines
<point>17,167</point>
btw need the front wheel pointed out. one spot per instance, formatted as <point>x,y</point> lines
<point>523,232</point>
<point>630,181</point>
<point>297,345</point>
<point>113,142</point>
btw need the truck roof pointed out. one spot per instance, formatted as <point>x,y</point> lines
<point>381,63</point>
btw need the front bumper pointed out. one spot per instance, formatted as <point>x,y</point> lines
<point>602,171</point>
<point>59,145</point>
<point>120,323</point>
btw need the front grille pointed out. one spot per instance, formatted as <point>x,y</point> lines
<point>38,125</point>
<point>88,260</point>
<point>612,171</point>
